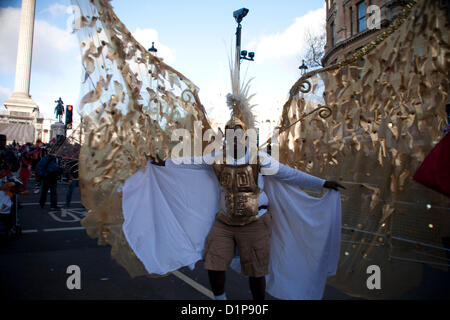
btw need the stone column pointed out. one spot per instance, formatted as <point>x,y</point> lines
<point>20,106</point>
<point>339,23</point>
<point>25,48</point>
<point>24,53</point>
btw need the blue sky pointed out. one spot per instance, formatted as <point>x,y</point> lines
<point>194,37</point>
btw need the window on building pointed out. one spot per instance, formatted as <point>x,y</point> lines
<point>361,16</point>
<point>332,33</point>
<point>351,21</point>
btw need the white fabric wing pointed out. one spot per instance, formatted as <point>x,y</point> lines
<point>305,240</point>
<point>168,214</point>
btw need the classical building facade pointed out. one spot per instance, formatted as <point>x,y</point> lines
<point>351,24</point>
<point>23,126</point>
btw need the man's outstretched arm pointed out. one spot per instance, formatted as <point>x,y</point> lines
<point>272,167</point>
<point>197,163</point>
<point>333,185</point>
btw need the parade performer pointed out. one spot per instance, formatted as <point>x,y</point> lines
<point>244,218</point>
<point>283,235</point>
<point>356,121</point>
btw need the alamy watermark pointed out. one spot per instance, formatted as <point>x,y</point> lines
<point>374,17</point>
<point>74,280</point>
<point>374,281</point>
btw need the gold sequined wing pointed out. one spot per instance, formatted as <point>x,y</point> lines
<point>131,102</point>
<point>369,122</point>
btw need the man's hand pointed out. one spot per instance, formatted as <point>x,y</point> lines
<point>332,185</point>
<point>157,161</point>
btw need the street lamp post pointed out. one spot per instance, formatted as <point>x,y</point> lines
<point>239,15</point>
<point>303,68</point>
<point>237,60</point>
<point>153,50</point>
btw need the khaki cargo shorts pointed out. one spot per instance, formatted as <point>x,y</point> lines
<point>252,241</point>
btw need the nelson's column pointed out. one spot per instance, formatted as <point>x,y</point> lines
<point>23,111</point>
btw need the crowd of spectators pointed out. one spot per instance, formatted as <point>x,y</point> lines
<point>42,162</point>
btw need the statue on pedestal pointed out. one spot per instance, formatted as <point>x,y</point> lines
<point>59,109</point>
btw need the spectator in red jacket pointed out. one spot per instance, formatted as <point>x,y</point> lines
<point>25,169</point>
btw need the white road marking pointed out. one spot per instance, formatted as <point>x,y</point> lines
<point>52,229</point>
<point>63,229</point>
<point>37,203</point>
<point>64,213</point>
<point>197,286</point>
<point>30,231</point>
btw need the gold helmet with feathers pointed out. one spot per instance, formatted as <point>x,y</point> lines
<point>239,102</point>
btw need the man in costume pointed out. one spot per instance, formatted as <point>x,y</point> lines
<point>243,223</point>
<point>168,215</point>
<point>165,214</point>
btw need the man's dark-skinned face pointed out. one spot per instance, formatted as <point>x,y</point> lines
<point>236,140</point>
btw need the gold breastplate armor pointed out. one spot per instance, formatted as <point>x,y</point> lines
<point>238,204</point>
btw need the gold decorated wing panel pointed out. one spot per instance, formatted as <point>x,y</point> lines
<point>131,102</point>
<point>383,111</point>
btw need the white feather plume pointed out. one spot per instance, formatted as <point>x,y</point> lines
<point>239,100</point>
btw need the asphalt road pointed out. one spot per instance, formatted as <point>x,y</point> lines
<point>35,265</point>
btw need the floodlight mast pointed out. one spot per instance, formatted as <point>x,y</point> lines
<point>238,52</point>
<point>239,15</point>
